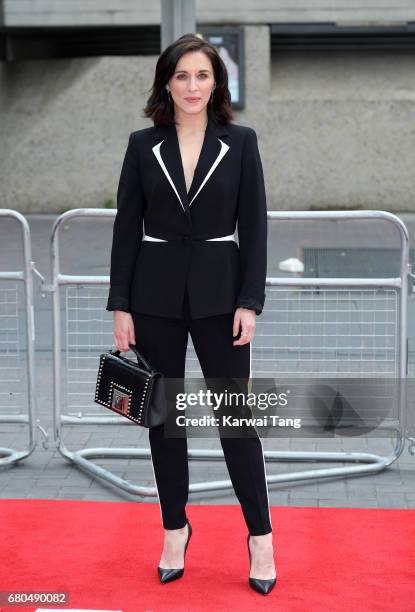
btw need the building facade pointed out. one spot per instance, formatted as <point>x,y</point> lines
<point>330,92</point>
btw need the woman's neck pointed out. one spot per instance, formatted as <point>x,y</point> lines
<point>191,123</point>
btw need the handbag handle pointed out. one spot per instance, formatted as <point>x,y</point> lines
<point>139,356</point>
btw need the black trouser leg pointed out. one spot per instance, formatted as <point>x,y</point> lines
<point>221,361</point>
<point>163,342</point>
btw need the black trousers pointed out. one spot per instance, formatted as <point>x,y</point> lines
<point>164,342</point>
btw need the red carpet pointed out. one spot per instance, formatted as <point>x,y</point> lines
<point>105,555</point>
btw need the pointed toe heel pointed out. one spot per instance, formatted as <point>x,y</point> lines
<point>263,586</point>
<point>167,575</point>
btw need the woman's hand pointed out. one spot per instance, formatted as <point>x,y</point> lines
<point>245,318</point>
<point>123,330</point>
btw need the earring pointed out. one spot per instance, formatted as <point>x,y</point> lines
<point>169,95</point>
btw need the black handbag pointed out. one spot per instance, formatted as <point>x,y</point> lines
<point>130,389</point>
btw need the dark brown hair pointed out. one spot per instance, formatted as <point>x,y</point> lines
<point>160,109</point>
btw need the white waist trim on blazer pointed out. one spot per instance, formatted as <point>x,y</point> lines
<point>228,237</point>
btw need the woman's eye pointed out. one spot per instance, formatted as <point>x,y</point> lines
<point>203,75</point>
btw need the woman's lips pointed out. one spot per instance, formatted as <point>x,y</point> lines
<point>192,99</point>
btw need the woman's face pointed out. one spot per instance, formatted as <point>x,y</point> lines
<point>192,82</point>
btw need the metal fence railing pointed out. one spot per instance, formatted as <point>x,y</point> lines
<point>311,326</point>
<point>17,336</point>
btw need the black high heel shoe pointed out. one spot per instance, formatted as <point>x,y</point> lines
<point>167,575</point>
<point>262,586</point>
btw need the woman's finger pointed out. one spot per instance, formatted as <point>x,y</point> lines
<point>236,323</point>
<point>248,330</point>
<point>121,341</point>
<point>132,334</point>
<point>244,339</point>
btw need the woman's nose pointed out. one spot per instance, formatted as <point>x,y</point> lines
<point>193,85</point>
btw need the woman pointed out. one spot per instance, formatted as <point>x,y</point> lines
<point>176,268</point>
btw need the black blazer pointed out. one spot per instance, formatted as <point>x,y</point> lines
<point>163,237</point>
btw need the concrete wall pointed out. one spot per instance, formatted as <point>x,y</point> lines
<point>110,12</point>
<point>335,129</point>
<point>343,133</point>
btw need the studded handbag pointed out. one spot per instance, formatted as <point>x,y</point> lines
<point>133,390</point>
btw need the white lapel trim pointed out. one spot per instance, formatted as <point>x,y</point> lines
<point>156,151</point>
<point>224,149</point>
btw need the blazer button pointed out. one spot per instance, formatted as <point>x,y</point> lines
<point>186,239</point>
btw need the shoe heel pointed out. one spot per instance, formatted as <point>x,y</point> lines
<point>167,575</point>
<point>263,586</point>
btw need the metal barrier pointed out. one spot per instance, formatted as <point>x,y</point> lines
<point>294,297</point>
<point>89,332</point>
<point>17,363</point>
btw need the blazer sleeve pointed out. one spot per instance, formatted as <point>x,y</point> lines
<point>127,230</point>
<point>252,227</point>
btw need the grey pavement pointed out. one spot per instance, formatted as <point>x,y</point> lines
<point>46,474</point>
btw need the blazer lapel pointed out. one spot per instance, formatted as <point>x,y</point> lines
<point>167,153</point>
<point>211,154</point>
